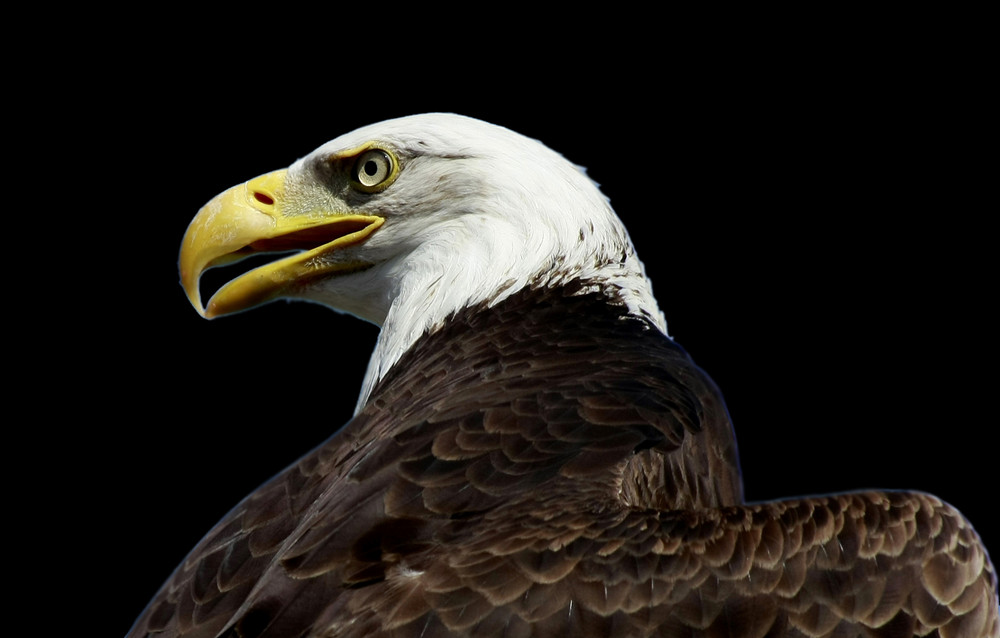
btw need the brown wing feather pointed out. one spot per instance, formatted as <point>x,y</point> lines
<point>862,564</point>
<point>575,474</point>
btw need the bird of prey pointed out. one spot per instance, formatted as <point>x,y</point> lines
<point>531,453</point>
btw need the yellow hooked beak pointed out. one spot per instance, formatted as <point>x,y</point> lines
<point>247,220</point>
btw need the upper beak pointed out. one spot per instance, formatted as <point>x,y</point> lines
<point>249,219</point>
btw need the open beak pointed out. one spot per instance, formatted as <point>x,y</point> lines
<point>248,219</point>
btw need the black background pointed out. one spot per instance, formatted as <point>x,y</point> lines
<point>807,214</point>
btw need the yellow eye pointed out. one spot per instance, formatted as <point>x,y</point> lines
<point>372,169</point>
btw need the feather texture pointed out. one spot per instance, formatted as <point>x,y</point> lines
<point>575,475</point>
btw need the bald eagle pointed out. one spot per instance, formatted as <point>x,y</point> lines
<point>531,454</point>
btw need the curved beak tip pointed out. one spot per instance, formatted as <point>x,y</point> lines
<point>226,224</point>
<point>196,304</point>
<point>190,286</point>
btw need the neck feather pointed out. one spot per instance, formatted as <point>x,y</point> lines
<point>414,316</point>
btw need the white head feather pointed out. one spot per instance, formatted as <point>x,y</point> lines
<point>477,213</point>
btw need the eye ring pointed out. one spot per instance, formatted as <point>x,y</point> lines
<point>373,170</point>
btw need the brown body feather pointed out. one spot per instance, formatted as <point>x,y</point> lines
<point>550,467</point>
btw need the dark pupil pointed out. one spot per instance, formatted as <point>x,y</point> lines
<point>371,167</point>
